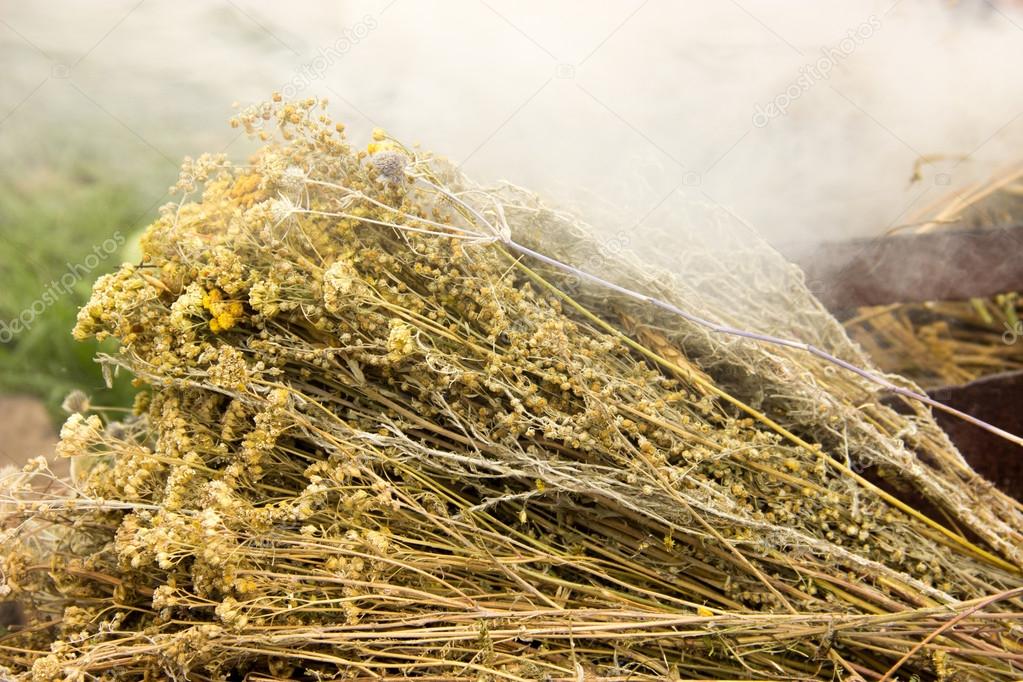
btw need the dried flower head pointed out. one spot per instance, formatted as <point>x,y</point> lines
<point>78,434</point>
<point>391,165</point>
<point>340,283</point>
<point>281,209</point>
<point>293,179</point>
<point>76,401</point>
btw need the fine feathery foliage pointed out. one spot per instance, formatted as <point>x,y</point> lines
<point>373,442</point>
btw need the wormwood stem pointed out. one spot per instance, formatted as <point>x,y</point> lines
<point>1009,594</point>
<point>774,426</point>
<point>503,235</point>
<point>765,338</point>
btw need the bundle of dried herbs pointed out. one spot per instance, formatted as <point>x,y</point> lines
<point>373,442</point>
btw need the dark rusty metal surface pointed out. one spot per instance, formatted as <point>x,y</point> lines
<point>10,616</point>
<point>937,266</point>
<point>998,400</point>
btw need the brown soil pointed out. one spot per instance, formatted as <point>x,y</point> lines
<point>26,430</point>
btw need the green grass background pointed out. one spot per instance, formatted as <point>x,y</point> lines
<point>49,219</point>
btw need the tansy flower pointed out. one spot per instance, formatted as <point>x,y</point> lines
<point>229,370</point>
<point>381,143</point>
<point>225,313</point>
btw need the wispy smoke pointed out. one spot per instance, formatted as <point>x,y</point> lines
<point>802,120</point>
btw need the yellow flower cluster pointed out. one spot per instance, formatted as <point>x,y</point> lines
<point>224,313</point>
<point>382,143</point>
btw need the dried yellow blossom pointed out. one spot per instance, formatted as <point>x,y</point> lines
<point>340,282</point>
<point>229,370</point>
<point>79,433</point>
<point>400,341</point>
<point>224,314</point>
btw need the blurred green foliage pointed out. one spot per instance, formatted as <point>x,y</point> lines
<point>52,224</point>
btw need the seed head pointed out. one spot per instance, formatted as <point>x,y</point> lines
<point>281,209</point>
<point>293,178</point>
<point>391,165</point>
<point>76,402</point>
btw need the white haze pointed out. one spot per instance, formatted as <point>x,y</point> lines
<point>631,109</point>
